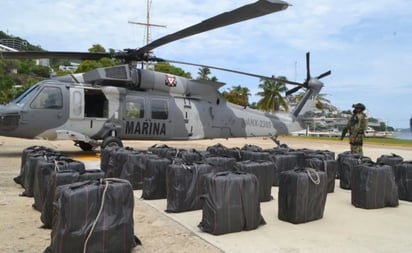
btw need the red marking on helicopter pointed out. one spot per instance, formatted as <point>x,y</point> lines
<point>170,81</point>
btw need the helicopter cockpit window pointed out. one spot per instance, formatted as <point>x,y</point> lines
<point>135,108</point>
<point>160,109</point>
<point>26,96</point>
<point>48,98</point>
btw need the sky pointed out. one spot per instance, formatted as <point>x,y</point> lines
<point>366,44</point>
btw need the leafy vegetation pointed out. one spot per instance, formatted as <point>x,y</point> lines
<point>272,95</point>
<point>238,95</point>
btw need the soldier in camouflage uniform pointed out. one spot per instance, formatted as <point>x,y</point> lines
<point>357,125</point>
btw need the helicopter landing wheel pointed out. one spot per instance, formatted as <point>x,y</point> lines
<point>85,146</point>
<point>111,141</point>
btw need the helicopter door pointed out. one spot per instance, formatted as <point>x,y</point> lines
<point>88,110</point>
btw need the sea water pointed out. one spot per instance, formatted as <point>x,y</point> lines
<point>404,135</point>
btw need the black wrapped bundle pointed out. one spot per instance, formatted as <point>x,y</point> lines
<point>403,176</point>
<point>231,203</point>
<point>373,186</point>
<point>328,166</point>
<point>263,170</point>
<point>163,150</point>
<point>254,155</point>
<point>302,195</point>
<point>32,164</point>
<point>154,178</point>
<point>58,178</point>
<point>134,167</point>
<point>224,163</point>
<point>189,156</point>
<point>42,174</point>
<point>347,163</point>
<point>94,216</point>
<point>27,152</point>
<point>391,160</point>
<point>184,186</point>
<point>284,162</point>
<point>116,161</point>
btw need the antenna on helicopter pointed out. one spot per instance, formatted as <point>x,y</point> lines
<point>147,25</point>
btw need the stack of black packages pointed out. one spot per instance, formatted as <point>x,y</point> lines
<point>347,161</point>
<point>94,216</point>
<point>263,170</point>
<point>392,159</point>
<point>325,161</point>
<point>184,185</point>
<point>154,178</point>
<point>32,158</point>
<point>403,176</point>
<point>185,180</point>
<point>62,175</point>
<point>134,167</point>
<point>231,203</point>
<point>373,186</point>
<point>302,195</point>
<point>286,160</point>
<point>43,172</point>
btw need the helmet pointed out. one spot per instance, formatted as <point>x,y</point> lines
<point>359,105</point>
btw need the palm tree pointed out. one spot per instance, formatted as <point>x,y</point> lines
<point>238,95</point>
<point>272,98</point>
<point>203,74</point>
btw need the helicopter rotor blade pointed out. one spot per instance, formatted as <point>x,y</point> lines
<point>228,70</point>
<point>324,74</point>
<point>53,55</point>
<point>249,11</point>
<point>293,90</point>
<point>307,66</point>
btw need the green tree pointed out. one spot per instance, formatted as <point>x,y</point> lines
<point>272,99</point>
<point>238,95</point>
<point>88,65</point>
<point>203,74</point>
<point>166,67</point>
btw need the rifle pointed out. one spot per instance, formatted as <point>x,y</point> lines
<point>344,132</point>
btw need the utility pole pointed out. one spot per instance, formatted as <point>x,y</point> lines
<point>147,25</point>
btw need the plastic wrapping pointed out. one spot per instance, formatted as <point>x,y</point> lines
<point>302,195</point>
<point>94,216</point>
<point>44,169</point>
<point>373,186</point>
<point>347,162</point>
<point>134,167</point>
<point>184,186</point>
<point>117,158</point>
<point>328,166</point>
<point>285,161</point>
<point>154,178</point>
<point>263,170</point>
<point>58,178</point>
<point>231,203</point>
<point>403,176</point>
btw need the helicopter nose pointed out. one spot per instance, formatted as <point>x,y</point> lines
<point>9,121</point>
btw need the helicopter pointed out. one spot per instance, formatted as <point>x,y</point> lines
<point>107,105</point>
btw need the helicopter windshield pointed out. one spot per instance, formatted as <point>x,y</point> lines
<point>26,96</point>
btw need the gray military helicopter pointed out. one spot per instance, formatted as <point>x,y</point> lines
<point>104,106</point>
